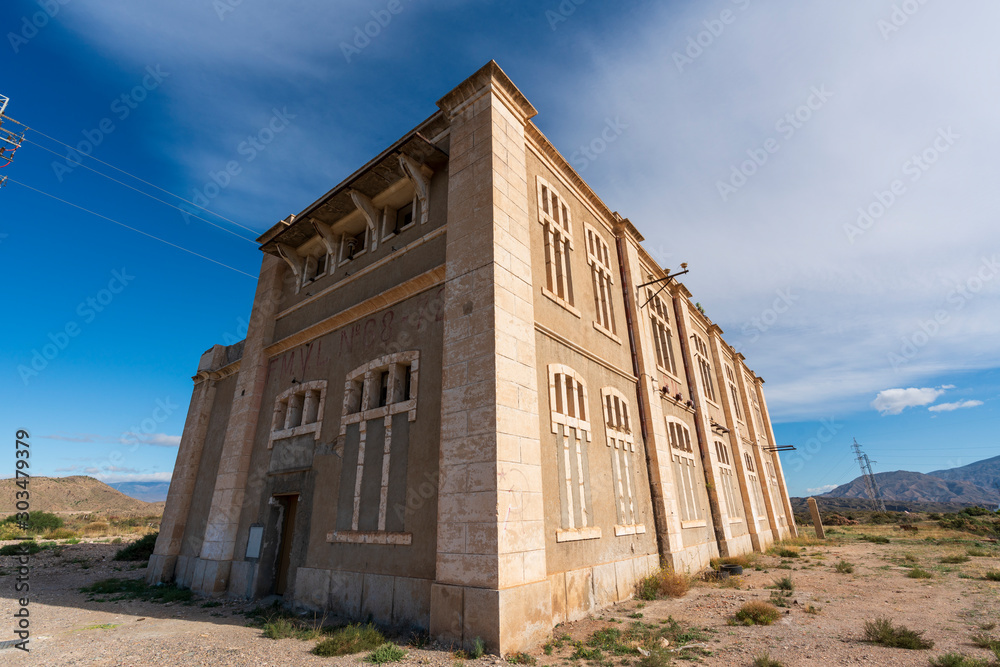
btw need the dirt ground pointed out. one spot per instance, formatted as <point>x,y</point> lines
<point>67,629</point>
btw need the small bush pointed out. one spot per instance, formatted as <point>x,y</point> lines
<point>385,653</point>
<point>141,549</point>
<point>584,653</point>
<point>663,584</point>
<point>96,528</point>
<point>919,573</point>
<point>521,659</point>
<point>784,584</point>
<point>30,547</point>
<point>478,648</point>
<point>875,539</point>
<point>38,522</point>
<point>957,660</point>
<point>881,631</point>
<point>954,559</point>
<point>984,640</point>
<point>844,567</point>
<point>351,639</point>
<point>60,534</point>
<point>812,610</point>
<point>992,575</point>
<point>788,553</point>
<point>280,628</point>
<point>765,660</point>
<point>757,613</point>
<point>909,558</point>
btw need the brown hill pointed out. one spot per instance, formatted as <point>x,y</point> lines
<point>75,495</point>
<point>904,486</point>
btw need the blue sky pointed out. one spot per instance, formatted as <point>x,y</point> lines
<point>826,170</point>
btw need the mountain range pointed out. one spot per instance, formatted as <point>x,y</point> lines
<point>974,484</point>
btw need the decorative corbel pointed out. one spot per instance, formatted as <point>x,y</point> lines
<point>294,259</point>
<point>367,207</point>
<point>420,176</point>
<point>326,233</point>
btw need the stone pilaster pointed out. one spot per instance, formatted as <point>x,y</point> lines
<point>736,445</point>
<point>491,574</point>
<point>182,481</point>
<point>211,573</point>
<point>770,502</point>
<point>792,531</point>
<point>663,492</point>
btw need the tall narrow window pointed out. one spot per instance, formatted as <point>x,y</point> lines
<point>704,366</point>
<point>686,475</point>
<point>662,340</point>
<point>729,493</point>
<point>599,258</point>
<point>568,406</point>
<point>734,393</point>
<point>621,442</point>
<point>380,401</point>
<point>553,214</point>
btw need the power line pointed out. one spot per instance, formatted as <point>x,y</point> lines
<point>122,224</point>
<point>228,231</point>
<point>146,182</point>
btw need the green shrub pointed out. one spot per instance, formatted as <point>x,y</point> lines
<point>918,573</point>
<point>844,567</point>
<point>757,613</point>
<point>784,584</point>
<point>875,539</point>
<point>30,546</point>
<point>387,652</point>
<point>977,552</point>
<point>992,575</point>
<point>765,660</point>
<point>478,648</point>
<point>954,559</point>
<point>351,639</point>
<point>788,553</point>
<point>38,522</point>
<point>663,583</point>
<point>881,631</point>
<point>521,659</point>
<point>957,660</point>
<point>141,549</point>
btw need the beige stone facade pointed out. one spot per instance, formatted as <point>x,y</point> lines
<point>469,401</point>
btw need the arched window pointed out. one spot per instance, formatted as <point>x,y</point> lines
<point>686,474</point>
<point>568,407</point>
<point>621,442</point>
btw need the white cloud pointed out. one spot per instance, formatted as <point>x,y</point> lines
<point>948,407</point>
<point>894,401</point>
<point>73,437</point>
<point>821,489</point>
<point>158,439</point>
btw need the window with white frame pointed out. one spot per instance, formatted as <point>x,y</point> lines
<point>772,481</point>
<point>662,339</point>
<point>686,474</point>
<point>756,494</point>
<point>398,220</point>
<point>380,401</point>
<point>315,267</point>
<point>568,407</point>
<point>704,366</point>
<point>599,258</point>
<point>734,393</point>
<point>621,442</point>
<point>730,493</point>
<point>298,410</point>
<point>553,214</point>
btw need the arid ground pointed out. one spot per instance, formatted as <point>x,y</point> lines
<point>822,623</point>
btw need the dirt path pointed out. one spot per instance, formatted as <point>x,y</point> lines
<point>67,629</point>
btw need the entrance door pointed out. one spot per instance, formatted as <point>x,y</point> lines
<point>289,504</point>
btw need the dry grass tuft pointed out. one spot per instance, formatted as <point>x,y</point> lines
<point>664,583</point>
<point>756,613</point>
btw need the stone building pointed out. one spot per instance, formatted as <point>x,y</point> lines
<point>461,406</point>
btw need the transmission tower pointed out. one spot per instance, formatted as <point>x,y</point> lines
<point>11,136</point>
<point>871,486</point>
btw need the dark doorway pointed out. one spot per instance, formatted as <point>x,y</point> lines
<point>289,505</point>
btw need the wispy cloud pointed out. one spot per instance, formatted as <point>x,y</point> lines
<point>894,401</point>
<point>821,489</point>
<point>958,405</point>
<point>157,439</point>
<point>74,437</point>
